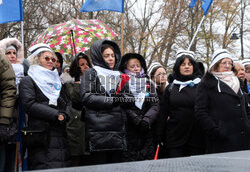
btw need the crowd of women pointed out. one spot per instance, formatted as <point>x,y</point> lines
<point>118,109</point>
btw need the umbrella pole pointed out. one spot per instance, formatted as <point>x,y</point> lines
<point>77,78</point>
<point>72,35</point>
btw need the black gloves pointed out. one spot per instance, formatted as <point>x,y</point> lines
<point>144,126</point>
<point>6,132</point>
<point>218,134</point>
<point>128,102</point>
<point>116,99</point>
<point>136,120</point>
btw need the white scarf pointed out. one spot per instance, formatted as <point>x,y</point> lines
<point>191,83</point>
<point>48,81</point>
<point>138,87</point>
<point>229,78</point>
<point>109,79</point>
<point>18,69</point>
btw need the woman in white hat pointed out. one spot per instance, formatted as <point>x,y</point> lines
<point>45,102</point>
<point>221,107</point>
<point>177,128</point>
<point>158,74</point>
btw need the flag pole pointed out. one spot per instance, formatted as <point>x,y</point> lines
<point>203,18</point>
<point>122,51</point>
<point>22,34</point>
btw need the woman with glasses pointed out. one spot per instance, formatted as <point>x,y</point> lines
<point>177,127</point>
<point>221,107</point>
<point>158,74</point>
<point>44,100</point>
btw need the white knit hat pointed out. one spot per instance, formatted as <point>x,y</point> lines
<point>184,52</point>
<point>218,55</point>
<point>245,62</point>
<point>36,49</point>
<point>153,66</point>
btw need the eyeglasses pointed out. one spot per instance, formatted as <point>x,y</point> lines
<point>226,64</point>
<point>161,74</point>
<point>48,59</point>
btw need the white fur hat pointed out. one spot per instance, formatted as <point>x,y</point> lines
<point>218,55</point>
<point>4,43</point>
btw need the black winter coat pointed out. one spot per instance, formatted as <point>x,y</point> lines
<point>105,122</point>
<point>178,125</point>
<point>140,143</point>
<point>42,116</point>
<point>223,115</point>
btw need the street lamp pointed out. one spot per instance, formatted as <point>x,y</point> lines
<point>234,35</point>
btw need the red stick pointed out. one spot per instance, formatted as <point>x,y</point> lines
<point>124,79</point>
<point>157,152</point>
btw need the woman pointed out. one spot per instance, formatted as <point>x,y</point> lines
<point>239,71</point>
<point>13,51</point>
<point>178,127</point>
<point>142,113</point>
<point>158,74</point>
<point>7,101</point>
<point>45,102</point>
<point>59,63</point>
<point>76,127</point>
<point>104,117</point>
<point>221,107</point>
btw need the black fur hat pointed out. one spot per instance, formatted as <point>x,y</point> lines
<point>129,56</point>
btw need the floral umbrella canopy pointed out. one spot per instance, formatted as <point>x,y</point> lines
<point>85,32</point>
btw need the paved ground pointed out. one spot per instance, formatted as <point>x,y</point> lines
<point>224,162</point>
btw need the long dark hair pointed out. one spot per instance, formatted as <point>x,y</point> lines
<point>73,71</point>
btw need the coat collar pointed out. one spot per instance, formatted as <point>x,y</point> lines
<point>211,82</point>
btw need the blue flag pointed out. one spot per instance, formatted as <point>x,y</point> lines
<point>100,5</point>
<point>206,5</point>
<point>192,3</point>
<point>11,11</point>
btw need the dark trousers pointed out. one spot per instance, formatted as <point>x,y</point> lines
<point>105,157</point>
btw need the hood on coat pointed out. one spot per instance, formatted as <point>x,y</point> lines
<point>10,41</point>
<point>129,56</point>
<point>96,54</point>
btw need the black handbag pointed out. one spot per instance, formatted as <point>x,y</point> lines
<point>35,137</point>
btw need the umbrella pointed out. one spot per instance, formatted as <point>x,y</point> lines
<point>83,32</point>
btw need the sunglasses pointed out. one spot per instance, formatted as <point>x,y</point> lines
<point>48,59</point>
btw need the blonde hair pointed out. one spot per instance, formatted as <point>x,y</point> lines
<point>35,59</point>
